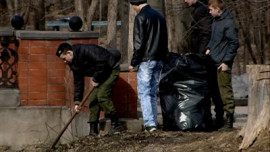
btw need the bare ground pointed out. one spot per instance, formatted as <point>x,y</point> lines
<point>216,141</point>
<point>162,141</point>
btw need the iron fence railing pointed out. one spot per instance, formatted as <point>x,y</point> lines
<point>8,68</point>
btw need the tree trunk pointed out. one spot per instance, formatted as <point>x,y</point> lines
<point>81,10</point>
<point>112,16</point>
<point>39,13</point>
<point>267,48</point>
<point>10,7</point>
<point>244,26</point>
<point>26,14</point>
<point>124,31</point>
<point>178,20</point>
<point>258,104</point>
<point>237,65</point>
<point>132,15</point>
<point>17,6</point>
<point>258,33</point>
<point>13,7</point>
<point>168,14</point>
<point>91,12</point>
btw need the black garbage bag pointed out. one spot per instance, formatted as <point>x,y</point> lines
<point>183,89</point>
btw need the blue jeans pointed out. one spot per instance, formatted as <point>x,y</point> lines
<point>148,80</point>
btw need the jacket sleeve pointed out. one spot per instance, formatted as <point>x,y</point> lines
<point>201,28</point>
<point>78,87</point>
<point>205,33</point>
<point>138,41</point>
<point>231,34</point>
<point>102,72</point>
<point>95,62</point>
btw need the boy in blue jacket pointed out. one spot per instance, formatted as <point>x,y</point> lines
<point>222,50</point>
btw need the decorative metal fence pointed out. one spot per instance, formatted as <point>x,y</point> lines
<point>8,67</point>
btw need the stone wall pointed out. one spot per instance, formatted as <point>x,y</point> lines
<point>44,80</point>
<point>36,111</point>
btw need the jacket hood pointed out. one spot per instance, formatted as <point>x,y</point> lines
<point>227,14</point>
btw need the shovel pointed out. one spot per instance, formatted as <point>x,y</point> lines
<point>73,116</point>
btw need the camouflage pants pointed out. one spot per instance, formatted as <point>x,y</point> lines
<point>101,97</point>
<point>226,91</point>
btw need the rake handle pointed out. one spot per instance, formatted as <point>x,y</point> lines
<point>70,120</point>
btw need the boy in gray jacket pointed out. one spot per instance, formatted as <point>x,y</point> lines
<point>222,50</point>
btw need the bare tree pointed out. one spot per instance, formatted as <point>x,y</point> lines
<point>111,28</point>
<point>124,30</point>
<point>253,23</point>
<point>86,11</point>
<point>132,15</point>
<point>81,10</point>
<point>252,17</point>
<point>178,20</point>
<point>90,12</point>
<point>26,14</point>
<point>39,13</point>
<point>13,6</point>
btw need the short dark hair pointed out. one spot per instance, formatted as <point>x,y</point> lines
<point>63,48</point>
<point>137,2</point>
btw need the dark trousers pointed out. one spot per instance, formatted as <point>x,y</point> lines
<point>214,90</point>
<point>101,97</point>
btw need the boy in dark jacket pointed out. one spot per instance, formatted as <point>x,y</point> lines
<point>222,50</point>
<point>200,37</point>
<point>89,60</point>
<point>200,25</point>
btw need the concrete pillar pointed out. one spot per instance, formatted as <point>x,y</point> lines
<point>9,97</point>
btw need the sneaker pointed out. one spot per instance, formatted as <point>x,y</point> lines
<point>116,129</point>
<point>151,129</point>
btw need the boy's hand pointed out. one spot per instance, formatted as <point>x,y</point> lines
<point>223,67</point>
<point>207,52</point>
<point>131,68</point>
<point>94,84</point>
<point>77,108</point>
